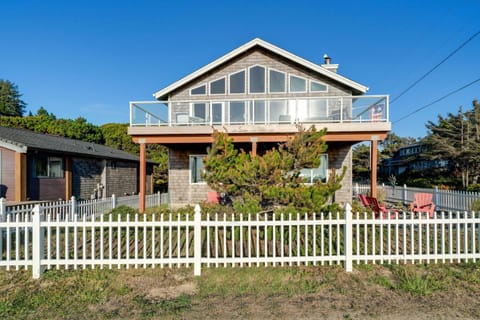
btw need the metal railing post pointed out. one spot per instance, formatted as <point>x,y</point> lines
<point>37,243</point>
<point>197,230</point>
<point>114,201</point>
<point>348,238</point>
<point>73,206</point>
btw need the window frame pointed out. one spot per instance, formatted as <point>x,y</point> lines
<point>299,77</point>
<point>244,82</point>
<point>215,80</point>
<point>318,82</point>
<point>190,176</point>
<point>284,81</point>
<point>48,160</point>
<point>249,82</point>
<point>199,94</point>
<point>325,156</point>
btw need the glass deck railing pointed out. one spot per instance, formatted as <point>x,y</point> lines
<point>260,111</point>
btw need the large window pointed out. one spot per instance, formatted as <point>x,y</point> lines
<point>196,168</point>
<point>217,86</point>
<point>237,114</point>
<point>48,167</point>
<point>297,84</point>
<point>277,81</point>
<point>237,82</point>
<point>257,79</point>
<point>200,90</point>
<point>317,87</point>
<point>316,174</point>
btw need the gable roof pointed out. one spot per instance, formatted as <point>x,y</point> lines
<point>21,140</point>
<point>268,46</point>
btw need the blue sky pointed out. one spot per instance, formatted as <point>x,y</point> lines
<point>90,58</point>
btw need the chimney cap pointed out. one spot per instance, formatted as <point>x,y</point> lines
<point>326,59</point>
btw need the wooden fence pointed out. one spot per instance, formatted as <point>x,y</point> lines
<point>40,242</point>
<point>446,200</point>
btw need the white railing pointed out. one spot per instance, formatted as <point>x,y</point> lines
<point>235,240</point>
<point>447,200</point>
<point>260,111</point>
<point>65,210</point>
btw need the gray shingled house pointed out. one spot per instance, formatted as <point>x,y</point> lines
<point>259,94</point>
<point>35,166</point>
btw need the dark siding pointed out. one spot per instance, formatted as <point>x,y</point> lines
<point>86,174</point>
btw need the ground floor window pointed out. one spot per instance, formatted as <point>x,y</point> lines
<point>316,174</point>
<point>196,168</point>
<point>48,167</point>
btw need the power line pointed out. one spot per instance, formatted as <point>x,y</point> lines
<point>438,100</point>
<point>436,66</point>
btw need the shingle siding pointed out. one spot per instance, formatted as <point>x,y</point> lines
<point>87,173</point>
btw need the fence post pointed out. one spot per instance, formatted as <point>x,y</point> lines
<point>37,243</point>
<point>435,195</point>
<point>405,194</point>
<point>73,204</point>
<point>348,238</point>
<point>159,196</point>
<point>3,209</point>
<point>114,201</point>
<point>197,231</point>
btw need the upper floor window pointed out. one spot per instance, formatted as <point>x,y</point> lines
<point>298,84</point>
<point>200,90</point>
<point>276,81</point>
<point>257,79</point>
<point>317,87</point>
<point>217,86</point>
<point>48,167</point>
<point>237,82</point>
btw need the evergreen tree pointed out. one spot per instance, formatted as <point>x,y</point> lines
<point>272,180</point>
<point>10,102</point>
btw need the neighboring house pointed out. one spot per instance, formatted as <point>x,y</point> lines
<point>410,158</point>
<point>35,166</point>
<point>259,94</point>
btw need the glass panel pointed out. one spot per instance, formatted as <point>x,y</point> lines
<point>199,90</point>
<point>196,168</point>
<point>217,113</point>
<point>257,111</point>
<point>217,86</point>
<point>237,112</point>
<point>55,167</point>
<point>237,82</point>
<point>200,111</point>
<point>277,109</point>
<point>257,79</point>
<point>277,81</point>
<point>41,167</point>
<point>317,87</point>
<point>297,84</point>
<point>317,174</point>
<point>317,110</point>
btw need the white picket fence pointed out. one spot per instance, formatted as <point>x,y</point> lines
<point>447,200</point>
<point>38,241</point>
<point>67,209</point>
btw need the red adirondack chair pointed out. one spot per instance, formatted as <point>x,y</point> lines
<point>423,203</point>
<point>372,204</point>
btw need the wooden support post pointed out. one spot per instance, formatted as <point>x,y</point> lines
<point>373,168</point>
<point>254,146</point>
<point>143,176</point>
<point>68,178</point>
<point>20,176</point>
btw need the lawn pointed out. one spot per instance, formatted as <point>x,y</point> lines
<point>307,292</point>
